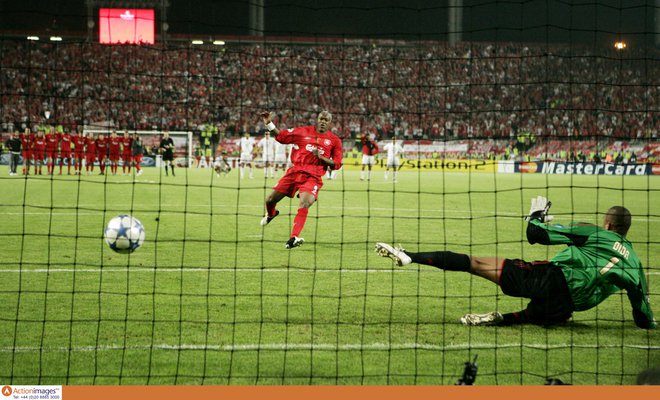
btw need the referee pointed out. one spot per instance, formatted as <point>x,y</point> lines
<point>167,147</point>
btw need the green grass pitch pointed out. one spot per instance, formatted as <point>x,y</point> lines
<point>213,298</point>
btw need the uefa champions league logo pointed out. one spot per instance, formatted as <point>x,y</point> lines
<point>127,16</point>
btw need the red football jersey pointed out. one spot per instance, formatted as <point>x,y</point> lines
<point>304,140</point>
<point>51,142</point>
<point>126,145</point>
<point>65,143</point>
<point>79,142</point>
<point>369,147</point>
<point>102,147</point>
<point>114,143</point>
<point>26,140</point>
<point>39,143</point>
<point>91,146</point>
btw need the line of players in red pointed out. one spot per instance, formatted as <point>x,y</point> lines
<point>39,149</point>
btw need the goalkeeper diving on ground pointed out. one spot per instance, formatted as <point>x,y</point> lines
<point>597,262</point>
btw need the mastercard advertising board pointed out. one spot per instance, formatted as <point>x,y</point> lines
<point>567,168</point>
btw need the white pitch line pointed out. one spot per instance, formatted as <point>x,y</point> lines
<point>500,214</point>
<point>227,270</point>
<point>222,270</point>
<point>327,347</point>
<point>56,213</point>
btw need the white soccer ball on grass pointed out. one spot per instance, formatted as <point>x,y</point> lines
<point>124,234</point>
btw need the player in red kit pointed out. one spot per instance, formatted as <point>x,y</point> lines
<point>114,147</point>
<point>52,142</point>
<point>26,144</point>
<point>101,151</point>
<point>137,151</point>
<point>315,149</point>
<point>65,151</point>
<point>38,149</point>
<point>90,153</point>
<point>126,153</point>
<point>369,151</point>
<point>79,142</point>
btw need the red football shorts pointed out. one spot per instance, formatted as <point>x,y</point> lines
<point>302,182</point>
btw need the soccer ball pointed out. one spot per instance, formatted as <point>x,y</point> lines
<point>124,234</point>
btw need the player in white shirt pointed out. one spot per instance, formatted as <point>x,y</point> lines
<point>282,156</point>
<point>393,150</point>
<point>267,145</point>
<point>247,147</point>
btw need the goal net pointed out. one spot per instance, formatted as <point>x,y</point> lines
<point>492,104</point>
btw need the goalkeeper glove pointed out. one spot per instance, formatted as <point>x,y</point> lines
<point>539,210</point>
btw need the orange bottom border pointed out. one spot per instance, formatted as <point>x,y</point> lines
<point>359,392</point>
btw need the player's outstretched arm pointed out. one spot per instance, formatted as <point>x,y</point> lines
<point>540,232</point>
<point>268,122</point>
<point>641,306</point>
<point>538,215</point>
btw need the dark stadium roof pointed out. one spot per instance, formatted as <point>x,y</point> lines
<point>483,20</point>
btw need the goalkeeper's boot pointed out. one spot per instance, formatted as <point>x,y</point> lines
<point>488,319</point>
<point>398,255</point>
<point>294,242</point>
<point>266,219</point>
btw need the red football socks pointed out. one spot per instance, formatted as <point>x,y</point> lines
<point>270,209</point>
<point>299,221</point>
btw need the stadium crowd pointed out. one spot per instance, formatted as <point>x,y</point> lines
<point>430,91</point>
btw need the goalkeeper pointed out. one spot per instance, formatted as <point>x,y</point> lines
<point>598,262</point>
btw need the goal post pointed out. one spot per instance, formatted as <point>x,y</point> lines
<point>183,144</point>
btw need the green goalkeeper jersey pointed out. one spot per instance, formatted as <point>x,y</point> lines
<point>598,263</point>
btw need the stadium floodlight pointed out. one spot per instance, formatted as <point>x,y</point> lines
<point>33,38</point>
<point>620,45</point>
<point>55,38</point>
<point>219,42</point>
<point>197,42</point>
